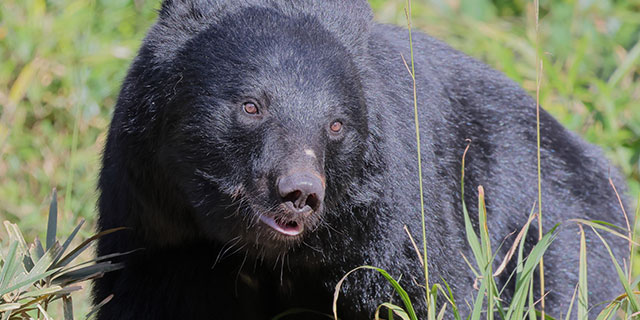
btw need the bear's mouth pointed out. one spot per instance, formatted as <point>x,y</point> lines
<point>286,227</point>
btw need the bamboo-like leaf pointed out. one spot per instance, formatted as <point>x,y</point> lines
<point>86,273</point>
<point>41,266</point>
<point>9,306</point>
<point>6,315</point>
<point>41,292</point>
<point>83,246</point>
<point>9,267</point>
<point>393,308</point>
<point>67,307</point>
<point>70,289</point>
<point>401,292</point>
<point>52,224</point>
<point>38,250</point>
<point>43,312</point>
<point>99,305</point>
<point>27,281</point>
<point>16,235</point>
<point>96,260</point>
<point>68,241</point>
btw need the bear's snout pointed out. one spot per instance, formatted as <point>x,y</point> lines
<point>301,192</point>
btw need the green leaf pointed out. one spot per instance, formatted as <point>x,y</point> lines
<point>449,295</point>
<point>524,281</point>
<point>27,281</point>
<point>393,308</point>
<point>67,307</point>
<point>86,273</point>
<point>52,224</point>
<point>573,299</point>
<point>83,246</point>
<point>44,312</point>
<point>41,292</point>
<point>401,292</point>
<point>9,267</point>
<point>9,306</point>
<point>99,305</point>
<point>68,241</point>
<point>583,292</point>
<point>609,312</point>
<point>37,250</point>
<point>635,307</point>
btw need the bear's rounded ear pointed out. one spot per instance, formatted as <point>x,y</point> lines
<point>186,8</point>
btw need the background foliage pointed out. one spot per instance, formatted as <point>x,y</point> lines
<point>62,62</point>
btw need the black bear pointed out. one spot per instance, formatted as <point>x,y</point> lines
<point>261,149</point>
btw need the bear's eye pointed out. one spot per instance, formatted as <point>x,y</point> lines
<point>336,126</point>
<point>250,108</point>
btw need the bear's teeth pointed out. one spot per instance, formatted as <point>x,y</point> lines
<point>290,229</point>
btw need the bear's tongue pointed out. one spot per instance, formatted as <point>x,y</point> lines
<point>290,228</point>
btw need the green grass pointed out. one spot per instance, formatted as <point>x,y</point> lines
<point>62,62</point>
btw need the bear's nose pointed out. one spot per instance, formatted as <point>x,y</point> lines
<point>301,191</point>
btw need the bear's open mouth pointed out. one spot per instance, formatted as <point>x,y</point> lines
<point>286,227</point>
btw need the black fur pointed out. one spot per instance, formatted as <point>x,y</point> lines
<point>189,173</point>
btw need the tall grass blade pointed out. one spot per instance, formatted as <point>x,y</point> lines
<point>628,64</point>
<point>531,311</point>
<point>478,304</point>
<point>392,308</point>
<point>418,147</point>
<point>539,65</point>
<point>583,291</point>
<point>406,300</point>
<point>472,237</point>
<point>573,299</point>
<point>609,312</point>
<point>524,280</point>
<point>631,297</point>
<point>451,300</point>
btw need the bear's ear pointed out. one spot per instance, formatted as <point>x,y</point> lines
<point>186,8</point>
<point>180,20</point>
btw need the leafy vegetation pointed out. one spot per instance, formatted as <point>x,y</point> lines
<point>33,276</point>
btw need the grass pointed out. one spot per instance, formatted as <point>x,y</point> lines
<point>626,306</point>
<point>62,62</point>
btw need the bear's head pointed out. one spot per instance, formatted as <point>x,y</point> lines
<point>254,117</point>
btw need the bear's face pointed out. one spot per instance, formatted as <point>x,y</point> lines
<point>264,132</point>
